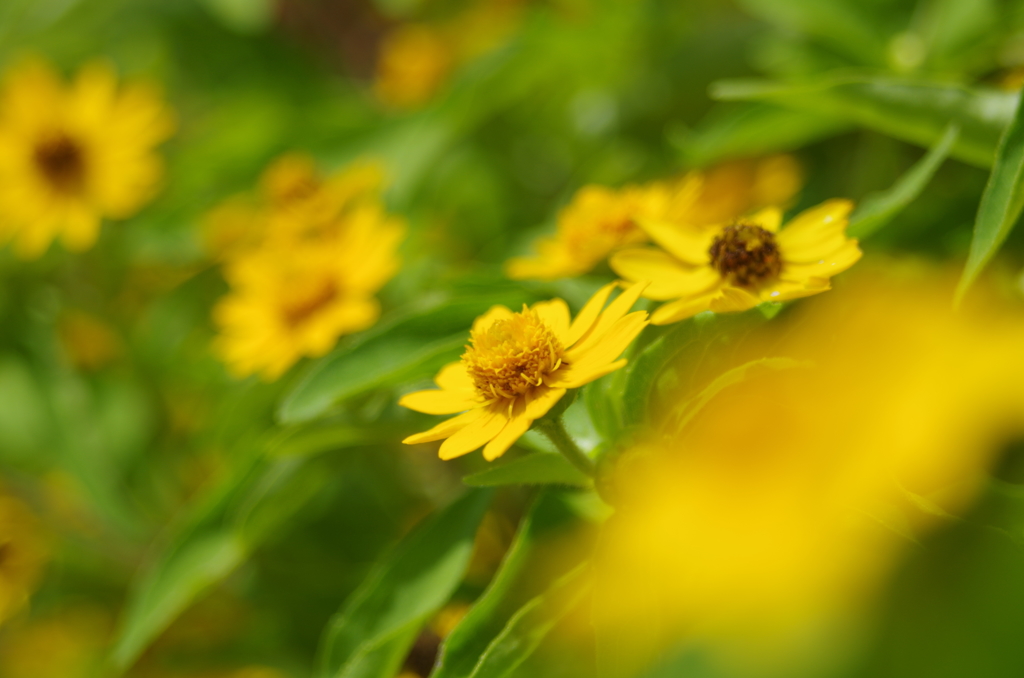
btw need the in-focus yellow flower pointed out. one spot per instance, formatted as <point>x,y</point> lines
<point>23,554</point>
<point>296,298</point>
<point>518,365</point>
<point>72,155</point>
<point>763,524</point>
<point>413,63</point>
<point>601,220</point>
<point>738,266</point>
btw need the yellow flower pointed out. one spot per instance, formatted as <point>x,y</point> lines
<point>72,155</point>
<point>518,365</point>
<point>756,523</point>
<point>601,220</point>
<point>22,555</point>
<point>296,298</point>
<point>413,63</point>
<point>738,266</point>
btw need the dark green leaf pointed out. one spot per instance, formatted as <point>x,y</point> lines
<point>539,468</point>
<point>1001,203</point>
<point>410,584</point>
<point>878,210</point>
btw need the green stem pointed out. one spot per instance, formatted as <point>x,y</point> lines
<point>555,431</point>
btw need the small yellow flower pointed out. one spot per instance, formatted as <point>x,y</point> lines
<point>601,220</point>
<point>295,299</point>
<point>518,365</point>
<point>22,555</point>
<point>72,155</point>
<point>738,266</point>
<point>413,63</point>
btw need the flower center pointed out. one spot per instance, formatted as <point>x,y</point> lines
<point>746,255</point>
<point>512,355</point>
<point>61,161</point>
<point>301,307</point>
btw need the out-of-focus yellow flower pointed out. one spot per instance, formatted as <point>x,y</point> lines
<point>413,63</point>
<point>296,298</point>
<point>518,365</point>
<point>600,221</point>
<point>89,343</point>
<point>72,155</point>
<point>69,645</point>
<point>740,265</point>
<point>23,554</point>
<point>772,514</point>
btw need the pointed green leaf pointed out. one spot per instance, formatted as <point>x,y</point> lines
<point>539,468</point>
<point>409,585</point>
<point>1001,203</point>
<point>878,210</point>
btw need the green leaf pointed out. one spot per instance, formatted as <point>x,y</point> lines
<point>1001,203</point>
<point>244,16</point>
<point>506,593</point>
<point>411,347</point>
<point>531,624</point>
<point>878,210</point>
<point>539,468</point>
<point>410,584</point>
<point>912,110</point>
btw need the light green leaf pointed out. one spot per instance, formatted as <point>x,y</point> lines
<point>879,209</point>
<point>531,624</point>
<point>1001,203</point>
<point>912,110</point>
<point>410,584</point>
<point>464,646</point>
<point>244,16</point>
<point>539,468</point>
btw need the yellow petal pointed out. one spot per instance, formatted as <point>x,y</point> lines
<point>446,428</point>
<point>786,290</point>
<point>488,318</point>
<point>733,300</point>
<point>816,232</point>
<point>832,264</point>
<point>476,433</point>
<point>555,314</point>
<point>541,400</point>
<point>438,401</point>
<point>689,244</point>
<point>574,378</point>
<point>615,311</point>
<point>607,347</point>
<point>681,309</point>
<point>588,315</point>
<point>516,427</point>
<point>770,218</point>
<point>453,377</point>
<point>669,278</point>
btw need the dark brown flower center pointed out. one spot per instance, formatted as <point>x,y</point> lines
<point>61,161</point>
<point>746,255</point>
<point>297,311</point>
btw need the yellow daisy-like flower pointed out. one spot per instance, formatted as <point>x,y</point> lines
<point>518,365</point>
<point>296,300</point>
<point>72,155</point>
<point>413,63</point>
<point>738,266</point>
<point>22,555</point>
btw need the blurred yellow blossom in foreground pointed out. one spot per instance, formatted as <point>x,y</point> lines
<point>72,155</point>
<point>758,519</point>
<point>601,220</point>
<point>736,266</point>
<point>23,553</point>
<point>519,365</point>
<point>70,644</point>
<point>303,265</point>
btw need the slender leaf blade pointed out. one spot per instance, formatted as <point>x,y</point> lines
<point>539,468</point>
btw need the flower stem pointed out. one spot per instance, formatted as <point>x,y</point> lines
<point>554,430</point>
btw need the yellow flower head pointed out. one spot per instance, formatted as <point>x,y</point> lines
<point>740,265</point>
<point>22,555</point>
<point>72,155</point>
<point>413,63</point>
<point>601,220</point>
<point>518,365</point>
<point>296,298</point>
<point>776,510</point>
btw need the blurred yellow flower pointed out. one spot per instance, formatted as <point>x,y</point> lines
<point>601,220</point>
<point>89,343</point>
<point>72,155</point>
<point>740,265</point>
<point>23,554</point>
<point>68,645</point>
<point>296,298</point>
<point>518,365</point>
<point>413,62</point>
<point>759,520</point>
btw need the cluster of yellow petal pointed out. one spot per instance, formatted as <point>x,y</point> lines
<point>520,365</point>
<point>304,262</point>
<point>23,554</point>
<point>736,266</point>
<point>601,220</point>
<point>72,155</point>
<point>781,506</point>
